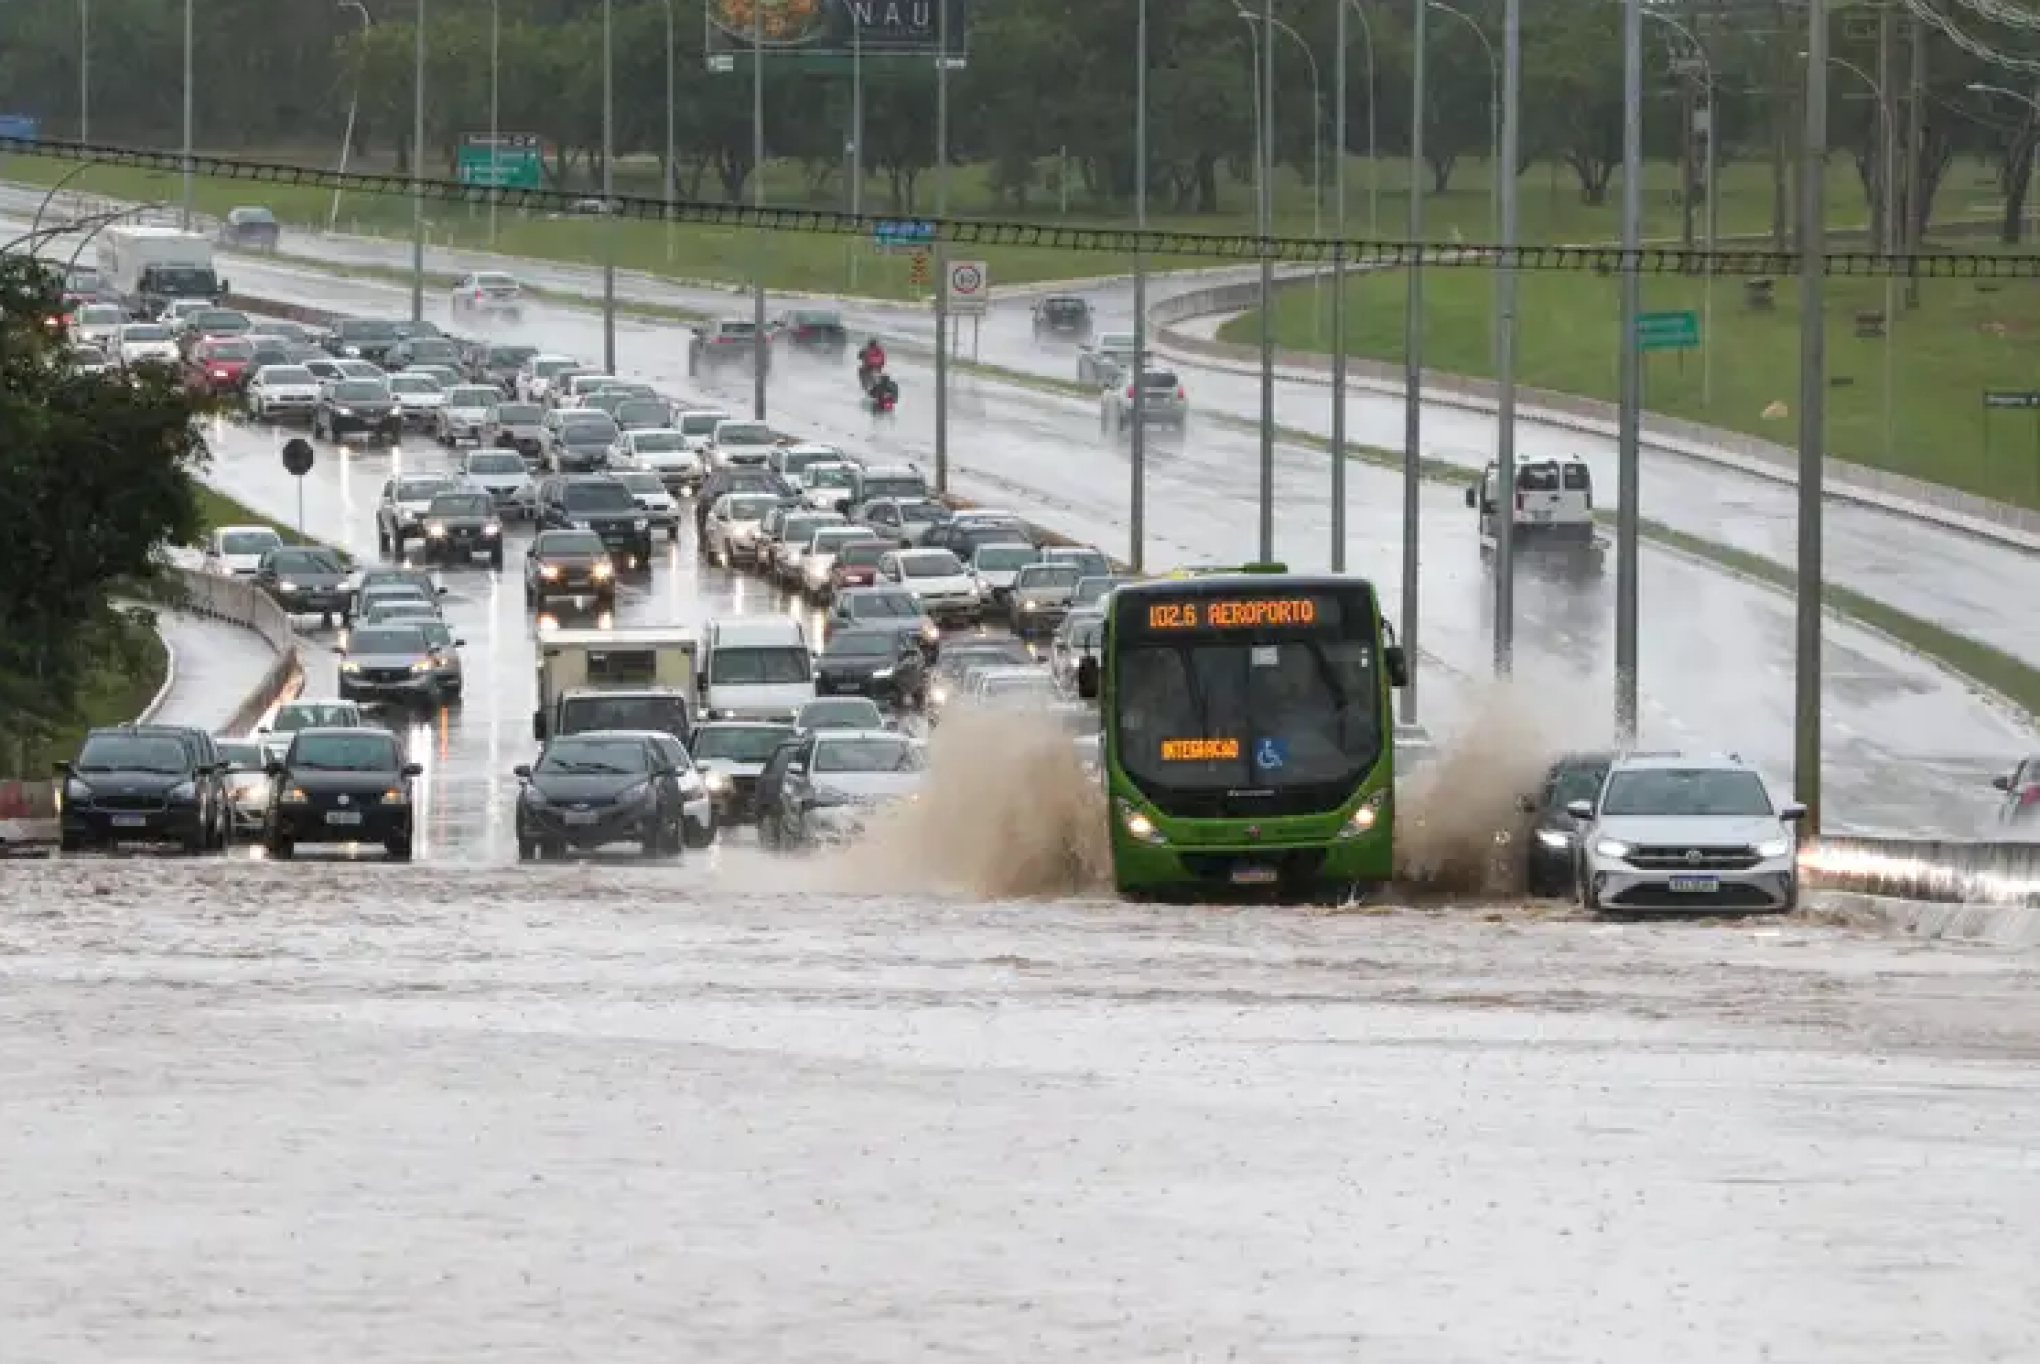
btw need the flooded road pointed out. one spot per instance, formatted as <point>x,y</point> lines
<point>366,1113</point>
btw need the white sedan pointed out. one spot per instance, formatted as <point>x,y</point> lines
<point>279,393</point>
<point>144,342</point>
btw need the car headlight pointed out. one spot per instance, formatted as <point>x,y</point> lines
<point>579,525</point>
<point>604,571</point>
<point>351,352</point>
<point>641,524</point>
<point>296,796</point>
<point>717,781</point>
<point>286,587</point>
<point>1611,847</point>
<point>423,665</point>
<point>548,571</point>
<point>493,528</point>
<point>1366,816</point>
<point>939,695</point>
<point>436,530</point>
<point>692,785</point>
<point>350,666</point>
<point>1774,847</point>
<point>1554,838</point>
<point>1139,825</point>
<point>77,792</point>
<point>634,794</point>
<point>343,411</point>
<point>881,674</point>
<point>1028,605</point>
<point>396,795</point>
<point>931,632</point>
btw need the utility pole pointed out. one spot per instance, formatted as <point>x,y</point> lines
<point>1628,526</point>
<point>942,246</point>
<point>1806,775</point>
<point>1413,368</point>
<point>1915,157</point>
<point>1137,494</point>
<point>418,167</point>
<point>1505,348</point>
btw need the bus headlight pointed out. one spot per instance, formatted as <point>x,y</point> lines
<point>1139,825</point>
<point>1365,817</point>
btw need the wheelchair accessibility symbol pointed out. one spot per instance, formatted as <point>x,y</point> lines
<point>1270,754</point>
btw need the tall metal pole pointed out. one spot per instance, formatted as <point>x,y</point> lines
<point>1413,369</point>
<point>856,135</point>
<point>1887,157</point>
<point>1812,419</point>
<point>353,107</point>
<point>495,110</point>
<point>1373,158</point>
<point>1629,425</point>
<point>85,70</point>
<point>1339,301</point>
<point>418,168</point>
<point>1137,494</point>
<point>942,247</point>
<point>1505,349</point>
<point>1267,154</point>
<point>1713,228</point>
<point>760,352</point>
<point>609,214</point>
<point>672,91</point>
<point>185,219</point>
<point>1915,139</point>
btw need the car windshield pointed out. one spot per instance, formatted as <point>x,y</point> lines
<point>1686,791</point>
<point>829,539</point>
<point>495,281</point>
<point>1012,684</point>
<point>817,319</point>
<point>1086,634</point>
<point>277,375</point>
<point>422,346</point>
<point>828,476</point>
<point>344,753</point>
<point>419,489</point>
<point>772,666</point>
<point>750,508</point>
<point>1005,558</point>
<point>960,658</point>
<point>230,350</point>
<point>1577,781</point>
<point>495,464</point>
<point>304,561</point>
<point>800,461</point>
<point>248,542</point>
<point>882,605</point>
<point>460,504</point>
<point>517,414</point>
<point>1037,576</point>
<point>643,412</point>
<point>414,383</point>
<point>568,543</point>
<point>935,564</point>
<point>401,608</point>
<point>739,743</point>
<point>145,332</point>
<point>738,328</point>
<point>242,757</point>
<point>658,442</point>
<point>360,391</point>
<point>701,423</point>
<point>313,715</point>
<point>508,357</point>
<point>847,712</point>
<point>869,755</point>
<point>604,496</point>
<point>584,714</point>
<point>471,397</point>
<point>366,331</point>
<point>547,369</point>
<point>595,428</point>
<point>863,644</point>
<point>640,482</point>
<point>863,553</point>
<point>437,633</point>
<point>1091,590</point>
<point>386,640</point>
<point>596,757</point>
<point>219,319</point>
<point>744,433</point>
<point>908,487</point>
<point>133,753</point>
<point>93,313</point>
<point>1065,307</point>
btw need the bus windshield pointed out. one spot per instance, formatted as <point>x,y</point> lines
<point>1216,695</point>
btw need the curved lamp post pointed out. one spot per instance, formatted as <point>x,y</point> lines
<point>35,223</point>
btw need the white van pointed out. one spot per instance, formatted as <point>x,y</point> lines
<point>756,668</point>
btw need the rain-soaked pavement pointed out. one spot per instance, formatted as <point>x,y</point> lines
<point>363,1114</point>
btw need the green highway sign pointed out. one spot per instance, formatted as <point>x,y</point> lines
<point>510,161</point>
<point>1668,331</point>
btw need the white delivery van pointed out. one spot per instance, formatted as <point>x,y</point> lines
<point>756,668</point>
<point>651,668</point>
<point>151,267</point>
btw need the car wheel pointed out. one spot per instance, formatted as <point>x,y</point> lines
<point>673,533</point>
<point>496,561</point>
<point>399,849</point>
<point>382,539</point>
<point>279,848</point>
<point>699,837</point>
<point>70,843</point>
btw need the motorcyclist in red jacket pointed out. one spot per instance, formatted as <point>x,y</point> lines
<point>870,361</point>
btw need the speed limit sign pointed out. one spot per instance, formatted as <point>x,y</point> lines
<point>970,286</point>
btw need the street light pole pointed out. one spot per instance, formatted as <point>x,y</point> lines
<point>760,351</point>
<point>1494,115</point>
<point>1136,497</point>
<point>418,168</point>
<point>1413,369</point>
<point>609,214</point>
<point>1712,222</point>
<point>1373,160</point>
<point>353,107</point>
<point>1339,299</point>
<point>1267,56</point>
<point>1806,775</point>
<point>942,246</point>
<point>671,144</point>
<point>1505,349</point>
<point>1629,418</point>
<point>85,71</point>
<point>185,219</point>
<point>495,110</point>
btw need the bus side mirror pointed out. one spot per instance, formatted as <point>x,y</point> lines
<point>1472,496</point>
<point>1398,665</point>
<point>1087,678</point>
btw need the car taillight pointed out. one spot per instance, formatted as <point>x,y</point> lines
<point>1129,392</point>
<point>2029,795</point>
<point>1179,390</point>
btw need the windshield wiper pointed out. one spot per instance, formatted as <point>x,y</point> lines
<point>568,765</point>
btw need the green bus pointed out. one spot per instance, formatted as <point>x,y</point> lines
<point>1248,732</point>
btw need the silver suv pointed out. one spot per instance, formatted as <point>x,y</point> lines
<point>1679,832</point>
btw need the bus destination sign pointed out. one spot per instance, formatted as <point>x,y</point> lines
<point>1242,613</point>
<point>1200,750</point>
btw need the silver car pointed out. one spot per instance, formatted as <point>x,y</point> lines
<point>1679,833</point>
<point>464,413</point>
<point>501,474</point>
<point>392,661</point>
<point>247,783</point>
<point>420,399</point>
<point>1163,402</point>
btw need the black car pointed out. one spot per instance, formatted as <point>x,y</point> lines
<point>364,406</point>
<point>489,363</point>
<point>361,338</point>
<point>1062,317</point>
<point>424,350</point>
<point>1549,833</point>
<point>596,503</point>
<point>730,754</point>
<point>308,580</point>
<point>581,442</point>
<point>251,229</point>
<point>813,331</point>
<point>884,664</point>
<point>737,478</point>
<point>458,526</point>
<point>145,784</point>
<point>341,786</point>
<point>569,564</point>
<point>589,790</point>
<point>420,578</point>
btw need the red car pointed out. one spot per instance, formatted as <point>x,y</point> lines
<point>220,365</point>
<point>857,564</point>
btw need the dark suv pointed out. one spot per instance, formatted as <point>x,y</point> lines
<point>357,405</point>
<point>813,331</point>
<point>597,503</point>
<point>1548,832</point>
<point>1062,318</point>
<point>146,784</point>
<point>461,524</point>
<point>732,342</point>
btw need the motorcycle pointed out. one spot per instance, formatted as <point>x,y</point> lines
<point>883,395</point>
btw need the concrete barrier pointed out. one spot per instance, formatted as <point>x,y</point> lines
<point>28,808</point>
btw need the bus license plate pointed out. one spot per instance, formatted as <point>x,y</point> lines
<point>343,816</point>
<point>1255,876</point>
<point>582,816</point>
<point>1696,885</point>
<point>130,821</point>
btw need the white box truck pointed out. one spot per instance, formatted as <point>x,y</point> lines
<point>150,268</point>
<point>641,678</point>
